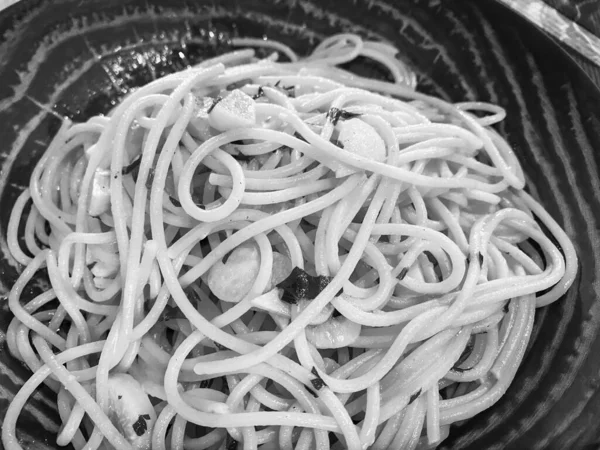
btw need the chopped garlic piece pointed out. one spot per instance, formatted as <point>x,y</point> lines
<point>103,260</point>
<point>100,198</point>
<point>199,126</point>
<point>237,110</point>
<point>360,138</point>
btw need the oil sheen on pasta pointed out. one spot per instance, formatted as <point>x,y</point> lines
<point>275,253</point>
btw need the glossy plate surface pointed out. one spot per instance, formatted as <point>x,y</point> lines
<point>80,57</point>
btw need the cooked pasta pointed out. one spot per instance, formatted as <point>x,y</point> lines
<point>276,253</point>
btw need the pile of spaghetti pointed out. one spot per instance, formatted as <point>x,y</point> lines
<point>256,253</point>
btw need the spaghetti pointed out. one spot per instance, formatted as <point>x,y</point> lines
<point>255,253</point>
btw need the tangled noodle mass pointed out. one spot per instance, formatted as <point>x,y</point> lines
<point>279,255</point>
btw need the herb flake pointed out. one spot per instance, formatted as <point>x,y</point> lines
<point>335,114</point>
<point>259,93</point>
<point>317,382</point>
<point>140,426</point>
<point>299,285</point>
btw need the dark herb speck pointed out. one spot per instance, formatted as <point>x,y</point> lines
<point>317,382</point>
<point>299,136</point>
<point>259,93</point>
<point>335,114</point>
<point>299,285</point>
<point>140,426</point>
<point>150,179</point>
<point>290,91</point>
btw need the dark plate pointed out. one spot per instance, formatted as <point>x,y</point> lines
<point>79,57</point>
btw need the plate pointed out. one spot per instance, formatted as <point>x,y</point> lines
<point>77,58</point>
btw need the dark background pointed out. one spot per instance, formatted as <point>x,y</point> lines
<point>585,13</point>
